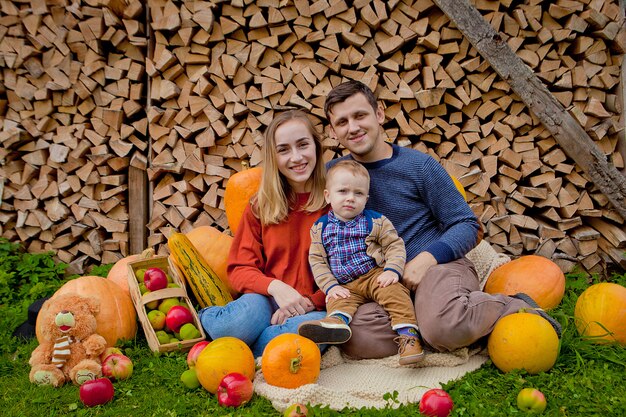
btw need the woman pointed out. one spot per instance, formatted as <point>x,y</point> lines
<point>268,260</point>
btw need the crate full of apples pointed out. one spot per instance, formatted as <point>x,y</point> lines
<point>165,312</point>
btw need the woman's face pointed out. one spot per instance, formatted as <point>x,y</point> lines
<point>295,153</point>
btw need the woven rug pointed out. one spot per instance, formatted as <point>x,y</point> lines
<point>344,382</point>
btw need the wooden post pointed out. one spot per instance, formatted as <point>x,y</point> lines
<point>574,141</point>
<point>137,208</point>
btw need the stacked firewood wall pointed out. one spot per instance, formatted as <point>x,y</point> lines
<point>218,71</point>
<point>73,119</point>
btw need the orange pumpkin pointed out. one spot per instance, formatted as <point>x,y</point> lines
<point>239,189</point>
<point>600,313</point>
<point>290,360</point>
<point>534,275</point>
<point>523,341</point>
<point>221,357</point>
<point>214,246</point>
<point>119,272</point>
<point>117,318</point>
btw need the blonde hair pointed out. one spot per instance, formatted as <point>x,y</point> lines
<point>349,165</point>
<point>275,196</point>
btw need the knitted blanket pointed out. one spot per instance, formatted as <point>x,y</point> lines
<point>345,382</point>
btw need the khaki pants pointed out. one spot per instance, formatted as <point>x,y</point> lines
<point>451,313</point>
<point>394,299</point>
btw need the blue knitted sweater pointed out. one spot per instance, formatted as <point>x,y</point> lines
<point>416,193</point>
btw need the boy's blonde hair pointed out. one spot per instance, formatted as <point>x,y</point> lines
<point>275,196</point>
<point>351,166</point>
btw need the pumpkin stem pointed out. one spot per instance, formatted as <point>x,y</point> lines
<point>295,364</point>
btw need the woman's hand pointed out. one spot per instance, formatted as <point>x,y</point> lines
<point>416,268</point>
<point>290,301</point>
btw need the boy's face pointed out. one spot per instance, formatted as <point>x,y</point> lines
<point>347,194</point>
<point>356,125</point>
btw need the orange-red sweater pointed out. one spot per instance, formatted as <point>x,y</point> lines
<point>260,254</point>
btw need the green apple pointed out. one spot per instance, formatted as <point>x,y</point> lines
<point>152,305</point>
<point>174,340</point>
<point>156,319</point>
<point>168,303</point>
<point>169,278</point>
<point>143,289</point>
<point>531,400</point>
<point>139,275</point>
<point>189,331</point>
<point>163,337</point>
<point>173,285</point>
<point>189,378</point>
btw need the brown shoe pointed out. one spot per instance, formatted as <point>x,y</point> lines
<point>410,349</point>
<point>331,330</point>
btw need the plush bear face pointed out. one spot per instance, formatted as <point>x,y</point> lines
<point>70,315</point>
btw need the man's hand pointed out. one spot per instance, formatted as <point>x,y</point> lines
<point>337,292</point>
<point>416,268</point>
<point>387,278</point>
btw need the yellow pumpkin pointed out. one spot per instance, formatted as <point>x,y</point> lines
<point>239,189</point>
<point>523,341</point>
<point>119,272</point>
<point>459,187</point>
<point>117,318</point>
<point>213,246</point>
<point>221,357</point>
<point>600,313</point>
<point>290,360</point>
<point>534,275</point>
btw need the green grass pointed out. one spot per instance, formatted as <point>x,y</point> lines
<point>588,379</point>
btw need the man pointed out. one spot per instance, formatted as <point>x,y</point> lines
<point>414,191</point>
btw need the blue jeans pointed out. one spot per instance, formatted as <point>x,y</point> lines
<point>248,318</point>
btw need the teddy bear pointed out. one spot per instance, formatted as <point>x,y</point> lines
<point>69,347</point>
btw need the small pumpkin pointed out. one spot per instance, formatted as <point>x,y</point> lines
<point>117,318</point>
<point>221,357</point>
<point>240,187</point>
<point>119,272</point>
<point>213,246</point>
<point>600,313</point>
<point>459,187</point>
<point>523,341</point>
<point>534,275</point>
<point>290,360</point>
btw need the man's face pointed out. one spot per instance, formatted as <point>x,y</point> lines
<point>357,127</point>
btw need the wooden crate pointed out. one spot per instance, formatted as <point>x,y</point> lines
<point>140,302</point>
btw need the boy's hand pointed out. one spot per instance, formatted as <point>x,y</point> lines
<point>387,278</point>
<point>337,292</point>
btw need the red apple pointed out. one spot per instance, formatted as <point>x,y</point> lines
<point>96,392</point>
<point>436,403</point>
<point>155,279</point>
<point>234,390</point>
<point>194,352</point>
<point>117,366</point>
<point>176,317</point>
<point>296,410</point>
<point>531,400</point>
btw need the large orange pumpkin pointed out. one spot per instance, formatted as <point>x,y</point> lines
<point>600,313</point>
<point>239,189</point>
<point>214,246</point>
<point>117,318</point>
<point>290,360</point>
<point>523,341</point>
<point>221,357</point>
<point>119,272</point>
<point>534,275</point>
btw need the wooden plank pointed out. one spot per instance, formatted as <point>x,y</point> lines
<point>572,137</point>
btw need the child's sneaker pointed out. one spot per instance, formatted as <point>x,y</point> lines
<point>331,330</point>
<point>410,349</point>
